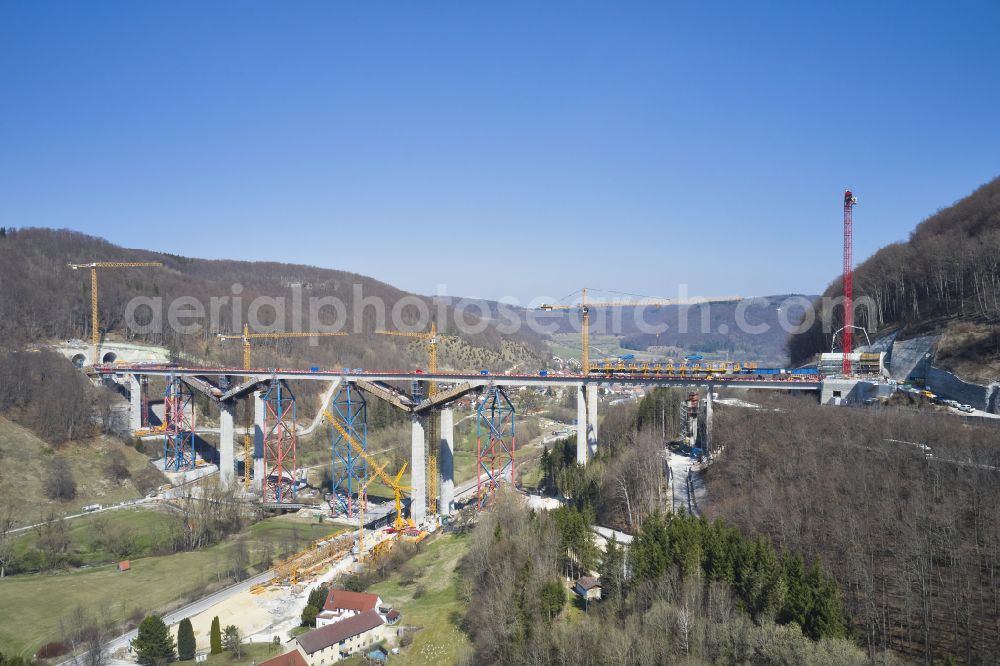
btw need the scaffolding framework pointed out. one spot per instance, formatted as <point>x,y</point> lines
<point>349,407</point>
<point>496,456</point>
<point>179,452</point>
<point>280,443</point>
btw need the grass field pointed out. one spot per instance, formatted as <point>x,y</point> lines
<point>85,533</point>
<point>425,590</point>
<point>29,457</point>
<point>35,606</point>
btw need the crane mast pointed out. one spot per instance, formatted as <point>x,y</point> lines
<point>848,339</point>
<point>95,333</point>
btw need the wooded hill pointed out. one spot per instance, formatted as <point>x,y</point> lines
<point>947,274</point>
<point>42,299</point>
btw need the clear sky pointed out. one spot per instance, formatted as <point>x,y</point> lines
<point>503,148</point>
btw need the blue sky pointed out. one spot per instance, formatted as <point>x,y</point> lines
<point>502,149</point>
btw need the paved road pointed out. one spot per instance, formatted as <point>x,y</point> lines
<point>190,610</point>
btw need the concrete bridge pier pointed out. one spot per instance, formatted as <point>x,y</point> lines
<point>592,419</point>
<point>134,403</point>
<point>707,444</point>
<point>227,442</point>
<point>582,445</point>
<point>446,462</point>
<point>418,471</point>
<point>258,439</point>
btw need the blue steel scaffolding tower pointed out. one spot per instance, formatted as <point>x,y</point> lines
<point>349,407</point>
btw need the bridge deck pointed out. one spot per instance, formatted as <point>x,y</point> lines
<point>786,383</point>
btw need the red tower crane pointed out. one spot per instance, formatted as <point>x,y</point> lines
<point>848,339</point>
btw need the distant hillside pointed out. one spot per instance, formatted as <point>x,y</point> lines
<point>944,279</point>
<point>41,298</point>
<point>751,331</point>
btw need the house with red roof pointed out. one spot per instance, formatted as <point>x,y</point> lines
<point>343,604</point>
<point>341,639</point>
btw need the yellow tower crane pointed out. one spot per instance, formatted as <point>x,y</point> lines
<point>246,337</point>
<point>584,308</point>
<point>432,437</point>
<point>93,266</point>
<point>393,484</point>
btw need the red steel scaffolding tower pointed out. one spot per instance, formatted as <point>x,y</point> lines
<point>280,443</point>
<point>848,338</point>
<point>495,457</point>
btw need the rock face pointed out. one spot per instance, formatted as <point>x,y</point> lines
<point>911,359</point>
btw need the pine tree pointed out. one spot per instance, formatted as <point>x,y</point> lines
<point>612,572</point>
<point>309,614</point>
<point>552,597</point>
<point>798,599</point>
<point>826,617</point>
<point>185,640</point>
<point>215,636</point>
<point>153,644</point>
<point>317,597</point>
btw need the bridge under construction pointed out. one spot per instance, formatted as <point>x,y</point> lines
<point>272,463</point>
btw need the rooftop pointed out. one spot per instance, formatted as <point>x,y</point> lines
<point>332,634</point>
<point>293,658</point>
<point>346,600</point>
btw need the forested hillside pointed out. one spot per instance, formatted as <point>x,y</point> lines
<point>902,506</point>
<point>947,272</point>
<point>42,299</point>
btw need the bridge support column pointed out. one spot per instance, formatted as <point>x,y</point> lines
<point>581,426</point>
<point>446,462</point>
<point>227,442</point>
<point>592,419</point>
<point>707,444</point>
<point>258,439</point>
<point>418,471</point>
<point>134,403</point>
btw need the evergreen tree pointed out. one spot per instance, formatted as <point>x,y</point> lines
<point>215,636</point>
<point>552,598</point>
<point>798,598</point>
<point>309,614</point>
<point>612,572</point>
<point>185,640</point>
<point>826,617</point>
<point>317,597</point>
<point>153,644</point>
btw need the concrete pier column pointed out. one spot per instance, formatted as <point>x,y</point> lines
<point>707,444</point>
<point>227,442</point>
<point>582,446</point>
<point>134,403</point>
<point>258,439</point>
<point>446,462</point>
<point>418,471</point>
<point>592,418</point>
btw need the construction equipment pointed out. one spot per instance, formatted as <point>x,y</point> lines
<point>95,334</point>
<point>362,501</point>
<point>848,340</point>
<point>246,337</point>
<point>585,307</point>
<point>394,484</point>
<point>432,428</point>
